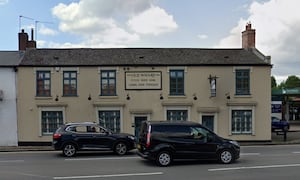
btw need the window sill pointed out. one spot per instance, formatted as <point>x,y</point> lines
<point>177,96</point>
<point>43,97</point>
<point>243,96</point>
<point>108,97</point>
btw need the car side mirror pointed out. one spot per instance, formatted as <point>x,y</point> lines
<point>210,138</point>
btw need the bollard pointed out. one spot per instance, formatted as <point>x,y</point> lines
<point>284,135</point>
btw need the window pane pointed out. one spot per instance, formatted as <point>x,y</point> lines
<point>70,83</point>
<point>110,120</point>
<point>241,122</point>
<point>43,83</point>
<point>176,82</point>
<point>51,120</point>
<point>243,82</point>
<point>177,115</point>
<point>108,83</point>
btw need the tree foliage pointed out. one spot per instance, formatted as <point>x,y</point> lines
<point>291,82</point>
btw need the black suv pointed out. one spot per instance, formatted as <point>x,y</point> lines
<point>73,137</point>
<point>163,141</point>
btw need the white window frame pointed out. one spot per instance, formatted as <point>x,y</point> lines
<point>252,108</point>
<point>40,109</point>
<point>178,108</point>
<point>111,109</point>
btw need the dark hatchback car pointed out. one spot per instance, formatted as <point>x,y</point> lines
<point>163,142</point>
<point>73,137</point>
<point>278,124</point>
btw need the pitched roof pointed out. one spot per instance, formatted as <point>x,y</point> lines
<point>141,57</point>
<point>10,58</point>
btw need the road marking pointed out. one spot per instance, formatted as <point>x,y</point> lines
<point>255,167</point>
<point>250,154</point>
<point>11,161</point>
<point>93,159</point>
<point>296,152</point>
<point>109,175</point>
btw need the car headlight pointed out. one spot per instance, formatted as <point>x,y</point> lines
<point>131,137</point>
<point>234,143</point>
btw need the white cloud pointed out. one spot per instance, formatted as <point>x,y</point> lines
<point>277,24</point>
<point>152,21</point>
<point>3,2</point>
<point>202,36</point>
<point>101,22</point>
<point>47,31</point>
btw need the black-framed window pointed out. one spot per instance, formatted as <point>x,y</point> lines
<point>70,83</point>
<point>51,120</point>
<point>176,82</point>
<point>43,83</point>
<point>242,81</point>
<point>108,83</point>
<point>241,122</point>
<point>110,120</point>
<point>177,115</point>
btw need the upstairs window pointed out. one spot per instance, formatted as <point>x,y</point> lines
<point>70,83</point>
<point>108,83</point>
<point>242,78</point>
<point>176,82</point>
<point>43,83</point>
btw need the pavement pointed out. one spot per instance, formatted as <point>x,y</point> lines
<point>292,137</point>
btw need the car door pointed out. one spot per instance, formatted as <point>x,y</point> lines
<point>93,137</point>
<point>204,146</point>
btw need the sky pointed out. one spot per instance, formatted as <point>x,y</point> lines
<point>158,24</point>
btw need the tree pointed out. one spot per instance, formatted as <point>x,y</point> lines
<point>273,82</point>
<point>292,82</point>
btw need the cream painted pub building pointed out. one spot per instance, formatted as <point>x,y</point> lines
<point>227,90</point>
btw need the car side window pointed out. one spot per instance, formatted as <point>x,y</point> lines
<point>197,133</point>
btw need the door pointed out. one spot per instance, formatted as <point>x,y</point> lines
<point>208,121</point>
<point>137,124</point>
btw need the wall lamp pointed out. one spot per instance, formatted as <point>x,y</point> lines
<point>227,96</point>
<point>56,99</point>
<point>128,97</point>
<point>195,96</point>
<point>161,96</point>
<point>89,98</point>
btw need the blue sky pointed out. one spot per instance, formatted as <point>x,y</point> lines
<point>158,23</point>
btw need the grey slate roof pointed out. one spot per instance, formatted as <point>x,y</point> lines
<point>10,58</point>
<point>141,57</point>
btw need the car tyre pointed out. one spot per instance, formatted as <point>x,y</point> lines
<point>164,158</point>
<point>69,150</point>
<point>120,148</point>
<point>226,156</point>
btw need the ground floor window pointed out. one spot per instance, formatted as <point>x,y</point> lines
<point>51,120</point>
<point>110,119</point>
<point>177,115</point>
<point>241,122</point>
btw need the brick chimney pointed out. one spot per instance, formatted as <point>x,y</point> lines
<point>24,43</point>
<point>248,37</point>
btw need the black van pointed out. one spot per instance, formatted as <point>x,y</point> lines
<point>163,141</point>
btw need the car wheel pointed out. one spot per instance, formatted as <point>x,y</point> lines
<point>226,156</point>
<point>120,148</point>
<point>164,158</point>
<point>69,150</point>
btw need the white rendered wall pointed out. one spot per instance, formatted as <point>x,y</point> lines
<point>8,108</point>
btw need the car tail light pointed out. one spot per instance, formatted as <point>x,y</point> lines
<point>148,137</point>
<point>56,136</point>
